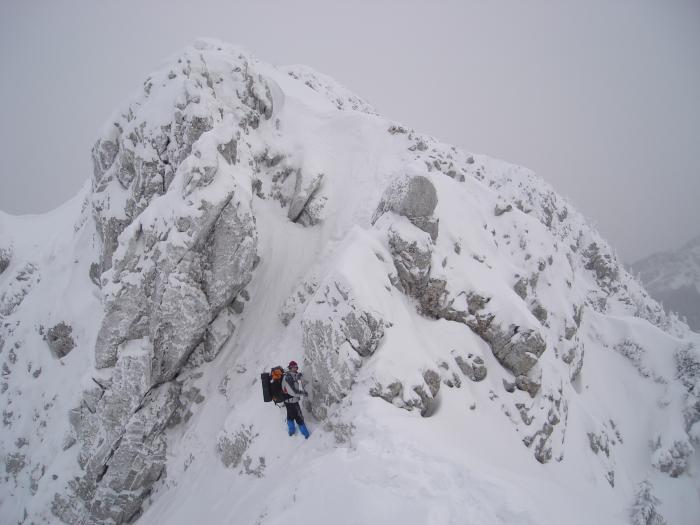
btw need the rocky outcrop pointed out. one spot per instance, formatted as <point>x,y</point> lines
<point>301,207</point>
<point>139,154</point>
<point>17,288</point>
<point>413,197</point>
<point>411,251</point>
<point>303,292</point>
<point>5,258</point>
<point>472,366</point>
<point>550,424</point>
<point>412,259</point>
<point>335,344</point>
<point>603,443</point>
<point>602,264</point>
<point>687,361</point>
<point>60,340</point>
<point>168,271</point>
<point>336,94</point>
<point>281,178</point>
<point>516,349</point>
<point>402,394</point>
<point>232,449</point>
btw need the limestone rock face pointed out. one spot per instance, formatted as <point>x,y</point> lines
<point>301,208</point>
<point>412,259</point>
<point>421,396</point>
<point>168,270</point>
<point>415,198</point>
<point>523,382</point>
<point>517,350</point>
<point>335,345</point>
<point>517,347</point>
<point>425,394</point>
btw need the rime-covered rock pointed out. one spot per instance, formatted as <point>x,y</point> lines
<point>166,276</point>
<point>529,385</point>
<point>300,209</point>
<point>472,366</point>
<point>687,361</point>
<point>419,396</point>
<point>516,349</point>
<point>122,443</point>
<point>424,403</point>
<point>15,463</point>
<point>17,288</point>
<point>415,198</point>
<point>5,258</point>
<point>412,258</point>
<point>60,340</point>
<point>335,344</point>
<point>231,448</point>
<point>602,264</point>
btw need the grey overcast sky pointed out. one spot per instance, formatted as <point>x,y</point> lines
<point>600,97</point>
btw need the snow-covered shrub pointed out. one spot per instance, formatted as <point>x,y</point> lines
<point>5,257</point>
<point>672,459</point>
<point>687,361</point>
<point>643,510</point>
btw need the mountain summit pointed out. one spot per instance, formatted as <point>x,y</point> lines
<point>474,351</point>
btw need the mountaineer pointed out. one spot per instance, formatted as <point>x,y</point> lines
<point>291,386</point>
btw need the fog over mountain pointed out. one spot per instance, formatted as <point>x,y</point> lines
<point>673,278</point>
<point>473,349</point>
<point>598,98</point>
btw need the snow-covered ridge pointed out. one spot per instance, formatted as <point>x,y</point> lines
<point>475,351</point>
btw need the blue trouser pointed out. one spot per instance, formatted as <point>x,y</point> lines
<point>294,415</point>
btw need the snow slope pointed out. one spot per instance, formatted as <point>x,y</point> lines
<point>474,351</point>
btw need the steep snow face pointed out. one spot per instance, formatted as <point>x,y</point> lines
<point>673,278</point>
<point>473,350</point>
<point>48,312</point>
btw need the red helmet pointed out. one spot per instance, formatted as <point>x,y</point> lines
<point>293,364</point>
